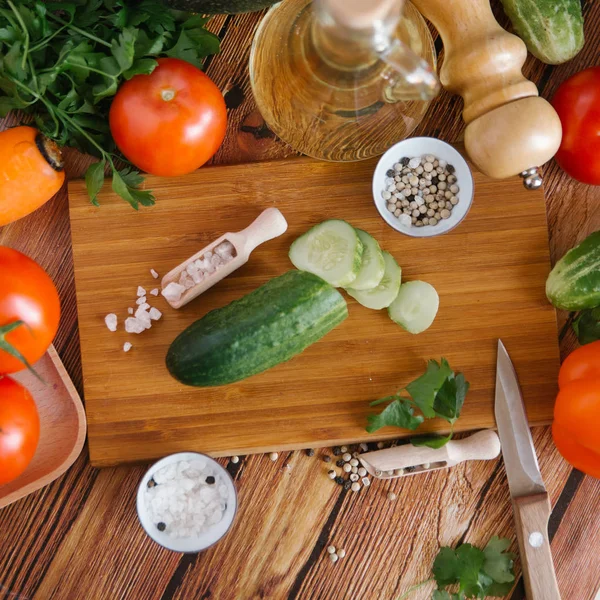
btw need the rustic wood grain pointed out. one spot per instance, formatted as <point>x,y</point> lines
<point>47,554</point>
<point>491,286</point>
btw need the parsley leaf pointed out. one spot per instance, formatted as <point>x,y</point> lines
<point>439,392</point>
<point>498,563</point>
<point>478,573</point>
<point>126,183</point>
<point>450,397</point>
<point>432,441</point>
<point>397,414</point>
<point>94,180</point>
<point>424,389</point>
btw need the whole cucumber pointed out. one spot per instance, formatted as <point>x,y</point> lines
<point>574,283</point>
<point>551,29</point>
<point>266,327</point>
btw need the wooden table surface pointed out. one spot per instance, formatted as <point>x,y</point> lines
<point>79,537</point>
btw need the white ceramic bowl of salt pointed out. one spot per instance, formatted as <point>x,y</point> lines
<point>191,526</point>
<point>420,146</point>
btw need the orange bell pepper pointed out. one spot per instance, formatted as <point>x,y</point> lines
<point>576,427</point>
<point>31,172</point>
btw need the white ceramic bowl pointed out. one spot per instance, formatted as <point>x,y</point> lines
<point>418,146</point>
<point>192,544</point>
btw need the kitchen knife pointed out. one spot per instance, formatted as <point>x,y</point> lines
<point>530,500</point>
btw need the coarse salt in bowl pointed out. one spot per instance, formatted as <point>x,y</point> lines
<point>194,502</point>
<point>420,146</point>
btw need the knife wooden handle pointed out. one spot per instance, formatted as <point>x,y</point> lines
<point>531,519</point>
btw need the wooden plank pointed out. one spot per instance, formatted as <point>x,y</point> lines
<point>489,272</point>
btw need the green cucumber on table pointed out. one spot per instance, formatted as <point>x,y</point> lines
<point>551,29</point>
<point>574,283</point>
<point>269,326</point>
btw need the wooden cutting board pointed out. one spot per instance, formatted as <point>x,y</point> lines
<point>490,274</point>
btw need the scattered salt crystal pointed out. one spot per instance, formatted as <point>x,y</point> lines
<point>154,292</point>
<point>127,347</point>
<point>133,325</point>
<point>209,268</point>
<point>144,306</point>
<point>173,291</point>
<point>155,314</point>
<point>216,260</point>
<point>141,291</point>
<point>141,300</point>
<point>208,254</point>
<point>188,283</point>
<point>130,310</point>
<point>142,315</point>
<point>111,321</point>
<point>191,268</point>
<point>154,273</point>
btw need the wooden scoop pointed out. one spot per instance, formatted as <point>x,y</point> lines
<point>268,225</point>
<point>510,129</point>
<point>410,460</point>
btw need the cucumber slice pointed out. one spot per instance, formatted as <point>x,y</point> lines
<point>383,295</point>
<point>372,267</point>
<point>415,307</point>
<point>332,250</point>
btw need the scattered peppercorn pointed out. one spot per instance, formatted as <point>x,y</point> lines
<point>404,161</point>
<point>273,456</point>
<point>347,484</point>
<point>341,553</point>
<point>331,549</point>
<point>450,169</point>
<point>390,172</point>
<point>310,452</point>
<point>339,463</point>
<point>326,458</point>
<point>355,487</point>
<point>210,480</point>
<point>339,480</point>
<point>391,496</point>
<point>337,451</point>
<point>161,526</point>
<point>344,449</point>
<point>331,474</point>
<point>235,459</point>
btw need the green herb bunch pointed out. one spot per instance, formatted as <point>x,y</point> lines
<point>476,573</point>
<point>61,62</point>
<point>439,392</point>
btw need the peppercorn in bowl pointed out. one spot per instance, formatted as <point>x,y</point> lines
<point>422,187</point>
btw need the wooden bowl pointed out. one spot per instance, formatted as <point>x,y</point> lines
<point>62,427</point>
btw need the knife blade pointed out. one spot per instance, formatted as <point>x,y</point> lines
<point>531,504</point>
<point>522,469</point>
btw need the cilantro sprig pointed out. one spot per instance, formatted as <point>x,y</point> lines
<point>62,62</point>
<point>474,573</point>
<point>439,392</point>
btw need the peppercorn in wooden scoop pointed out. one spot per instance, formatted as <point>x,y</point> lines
<point>217,260</point>
<point>400,461</point>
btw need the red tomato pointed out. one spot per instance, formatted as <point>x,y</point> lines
<point>583,363</point>
<point>26,294</point>
<point>577,103</point>
<point>574,453</point>
<point>171,121</point>
<point>19,429</point>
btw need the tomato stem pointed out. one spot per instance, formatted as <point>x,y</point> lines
<point>10,349</point>
<point>167,95</point>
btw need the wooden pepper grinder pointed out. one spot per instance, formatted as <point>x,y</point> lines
<point>510,129</point>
